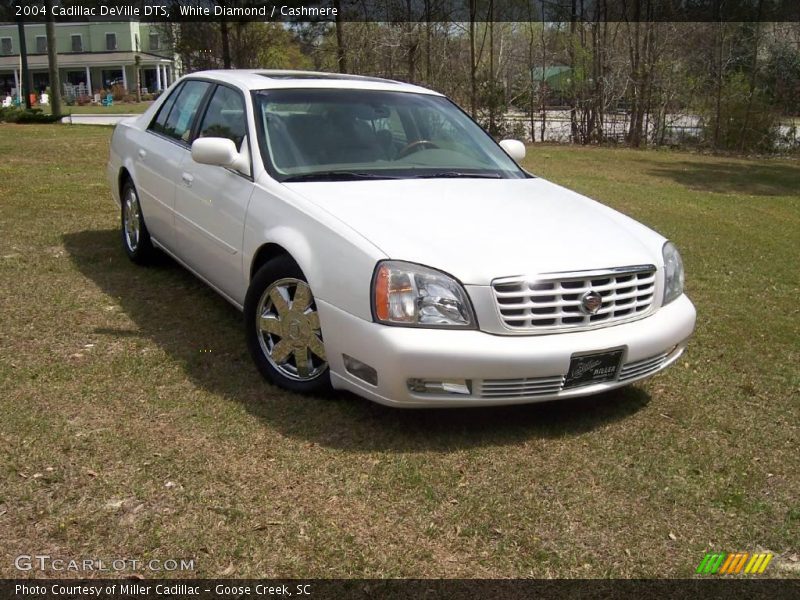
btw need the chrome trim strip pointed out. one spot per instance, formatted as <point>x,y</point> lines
<point>550,275</point>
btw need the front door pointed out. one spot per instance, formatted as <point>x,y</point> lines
<point>211,201</point>
<point>160,154</point>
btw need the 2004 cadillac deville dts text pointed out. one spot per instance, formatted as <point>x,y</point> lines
<point>379,241</point>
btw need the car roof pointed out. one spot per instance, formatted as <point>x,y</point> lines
<point>265,79</point>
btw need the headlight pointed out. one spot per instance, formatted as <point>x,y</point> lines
<point>673,273</point>
<point>416,296</point>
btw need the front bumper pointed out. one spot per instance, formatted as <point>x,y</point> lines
<point>501,369</point>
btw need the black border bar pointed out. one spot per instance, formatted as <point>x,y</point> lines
<point>396,11</point>
<point>711,587</point>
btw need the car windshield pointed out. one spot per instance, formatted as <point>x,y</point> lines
<point>339,134</point>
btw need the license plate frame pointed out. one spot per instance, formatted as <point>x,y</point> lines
<point>593,367</point>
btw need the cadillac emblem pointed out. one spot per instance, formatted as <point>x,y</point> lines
<point>591,302</point>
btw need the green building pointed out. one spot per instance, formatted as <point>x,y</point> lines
<point>91,56</point>
<point>556,77</point>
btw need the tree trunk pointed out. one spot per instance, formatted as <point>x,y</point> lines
<point>341,55</point>
<point>138,67</point>
<point>650,64</point>
<point>428,26</point>
<point>532,82</point>
<point>52,61</point>
<point>543,87</point>
<point>753,76</point>
<point>473,88</point>
<point>718,108</point>
<point>634,130</point>
<point>226,44</point>
<point>492,91</point>
<point>573,63</point>
<point>26,84</point>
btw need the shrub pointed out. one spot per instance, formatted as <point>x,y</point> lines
<point>118,92</point>
<point>15,114</point>
<point>745,121</point>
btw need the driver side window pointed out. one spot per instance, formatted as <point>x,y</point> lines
<point>225,116</point>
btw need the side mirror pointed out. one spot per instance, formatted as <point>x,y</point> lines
<point>220,152</point>
<point>514,148</point>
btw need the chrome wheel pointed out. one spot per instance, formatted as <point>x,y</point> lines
<point>131,219</point>
<point>288,329</point>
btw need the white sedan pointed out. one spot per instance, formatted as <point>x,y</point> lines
<point>379,241</point>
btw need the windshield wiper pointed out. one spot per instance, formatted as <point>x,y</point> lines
<point>336,176</point>
<point>459,174</point>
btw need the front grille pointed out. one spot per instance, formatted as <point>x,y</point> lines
<point>641,368</point>
<point>521,388</point>
<point>553,301</point>
<point>531,387</point>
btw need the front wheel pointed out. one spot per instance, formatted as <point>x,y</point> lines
<point>135,238</point>
<point>283,329</point>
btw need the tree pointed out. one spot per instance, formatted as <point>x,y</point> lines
<point>251,45</point>
<point>226,47</point>
<point>782,75</point>
<point>52,61</point>
<point>341,54</point>
<point>138,66</point>
<point>473,65</point>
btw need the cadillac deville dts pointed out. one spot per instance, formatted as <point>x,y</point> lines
<point>378,240</point>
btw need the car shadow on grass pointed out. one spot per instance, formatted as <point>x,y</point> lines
<point>203,333</point>
<point>777,178</point>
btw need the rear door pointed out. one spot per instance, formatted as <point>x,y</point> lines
<point>211,201</point>
<point>161,152</point>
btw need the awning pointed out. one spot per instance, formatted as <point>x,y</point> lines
<point>85,59</point>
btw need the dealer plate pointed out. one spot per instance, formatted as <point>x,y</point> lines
<point>588,369</point>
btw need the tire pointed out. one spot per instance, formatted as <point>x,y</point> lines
<point>282,328</point>
<point>135,237</point>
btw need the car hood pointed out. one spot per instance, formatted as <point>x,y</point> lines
<point>482,229</point>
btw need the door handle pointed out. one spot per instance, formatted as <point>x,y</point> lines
<point>188,178</point>
<point>142,153</point>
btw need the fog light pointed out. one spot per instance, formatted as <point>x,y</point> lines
<point>361,370</point>
<point>440,386</point>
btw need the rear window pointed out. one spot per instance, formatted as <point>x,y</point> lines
<point>160,121</point>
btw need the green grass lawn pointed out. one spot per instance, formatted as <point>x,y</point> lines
<point>134,424</point>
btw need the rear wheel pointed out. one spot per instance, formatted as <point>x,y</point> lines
<point>135,238</point>
<point>283,329</point>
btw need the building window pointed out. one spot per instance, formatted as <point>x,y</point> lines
<point>112,77</point>
<point>77,42</point>
<point>155,41</point>
<point>5,45</point>
<point>111,41</point>
<point>41,44</point>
